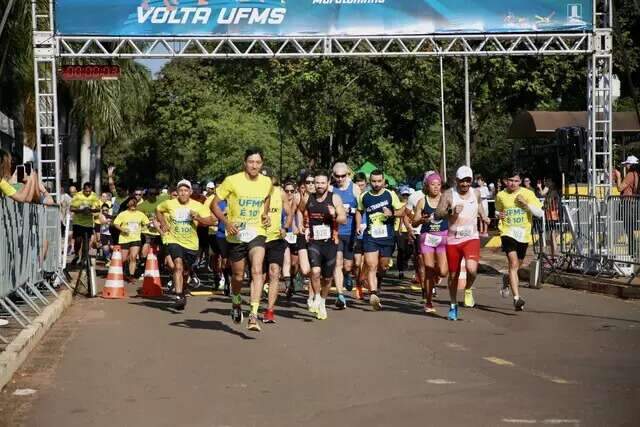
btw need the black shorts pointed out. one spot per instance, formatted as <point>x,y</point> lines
<point>357,247</point>
<point>323,255</point>
<point>345,245</point>
<point>240,251</point>
<point>203,237</point>
<point>509,244</point>
<point>106,240</point>
<point>274,253</point>
<point>151,239</point>
<point>416,245</point>
<point>81,231</point>
<point>188,256</point>
<point>129,245</point>
<point>219,245</point>
<point>301,243</point>
<point>96,228</point>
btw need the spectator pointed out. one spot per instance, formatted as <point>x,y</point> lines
<point>28,193</point>
<point>630,185</point>
<point>485,195</point>
<point>526,183</point>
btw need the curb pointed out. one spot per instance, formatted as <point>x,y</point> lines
<point>18,350</point>
<point>599,286</point>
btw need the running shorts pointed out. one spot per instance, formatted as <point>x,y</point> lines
<point>345,245</point>
<point>384,247</point>
<point>433,242</point>
<point>240,251</point>
<point>323,255</point>
<point>274,253</point>
<point>509,244</point>
<point>469,250</point>
<point>188,256</point>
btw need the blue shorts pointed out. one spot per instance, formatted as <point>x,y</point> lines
<point>384,247</point>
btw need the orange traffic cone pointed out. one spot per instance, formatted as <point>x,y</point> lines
<point>151,285</point>
<point>114,286</point>
<point>462,279</point>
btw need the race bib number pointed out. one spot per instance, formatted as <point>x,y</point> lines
<point>347,208</point>
<point>183,215</point>
<point>291,238</point>
<point>133,227</point>
<point>465,231</point>
<point>321,232</point>
<point>247,234</point>
<point>432,240</point>
<point>517,233</point>
<point>379,231</point>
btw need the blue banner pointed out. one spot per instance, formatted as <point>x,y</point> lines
<point>318,17</point>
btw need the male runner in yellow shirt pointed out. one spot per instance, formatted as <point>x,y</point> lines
<point>247,194</point>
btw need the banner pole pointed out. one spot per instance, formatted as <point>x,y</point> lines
<point>444,139</point>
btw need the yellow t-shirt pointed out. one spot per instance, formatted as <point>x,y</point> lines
<point>96,216</point>
<point>517,222</point>
<point>133,221</point>
<point>6,188</point>
<point>182,228</point>
<point>275,214</point>
<point>80,201</point>
<point>245,198</point>
<point>207,204</point>
<point>399,226</point>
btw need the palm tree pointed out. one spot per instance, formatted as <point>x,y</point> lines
<point>107,111</point>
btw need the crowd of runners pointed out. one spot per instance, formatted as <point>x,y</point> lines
<point>325,228</point>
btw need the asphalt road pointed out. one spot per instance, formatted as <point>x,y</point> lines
<point>570,359</point>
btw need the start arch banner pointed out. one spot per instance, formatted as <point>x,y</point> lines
<point>282,18</point>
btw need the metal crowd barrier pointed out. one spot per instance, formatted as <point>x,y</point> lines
<point>30,260</point>
<point>623,242</point>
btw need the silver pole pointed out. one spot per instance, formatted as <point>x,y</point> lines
<point>444,138</point>
<point>467,108</point>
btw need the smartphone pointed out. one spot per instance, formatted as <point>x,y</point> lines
<point>27,168</point>
<point>20,173</point>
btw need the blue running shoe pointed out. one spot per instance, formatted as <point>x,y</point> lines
<point>348,283</point>
<point>341,302</point>
<point>453,313</point>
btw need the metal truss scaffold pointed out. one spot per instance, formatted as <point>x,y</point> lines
<point>300,47</point>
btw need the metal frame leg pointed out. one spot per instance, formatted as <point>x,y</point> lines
<point>27,299</point>
<point>4,304</point>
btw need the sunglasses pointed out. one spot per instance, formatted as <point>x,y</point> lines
<point>340,176</point>
<point>310,182</point>
<point>290,191</point>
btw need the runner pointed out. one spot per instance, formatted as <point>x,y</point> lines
<point>433,237</point>
<point>130,223</point>
<point>516,207</point>
<point>325,211</point>
<point>404,234</point>
<point>178,222</point>
<point>461,206</point>
<point>220,248</point>
<point>151,232</point>
<point>247,194</point>
<point>381,206</point>
<point>418,262</point>
<point>280,220</point>
<point>106,241</point>
<point>289,268</point>
<point>359,271</point>
<point>307,186</point>
<point>83,205</point>
<point>349,194</point>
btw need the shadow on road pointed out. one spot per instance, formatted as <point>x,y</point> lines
<point>584,315</point>
<point>491,309</point>
<point>289,314</point>
<point>160,305</point>
<point>213,325</point>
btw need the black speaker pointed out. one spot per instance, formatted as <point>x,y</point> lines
<point>572,146</point>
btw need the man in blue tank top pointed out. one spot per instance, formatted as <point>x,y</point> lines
<point>381,207</point>
<point>349,193</point>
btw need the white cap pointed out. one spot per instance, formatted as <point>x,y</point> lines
<point>184,183</point>
<point>631,160</point>
<point>464,172</point>
<point>211,184</point>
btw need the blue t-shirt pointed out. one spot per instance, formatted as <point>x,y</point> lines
<point>350,204</point>
<point>222,204</point>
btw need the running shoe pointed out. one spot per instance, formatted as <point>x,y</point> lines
<point>269,316</point>
<point>194,282</point>
<point>341,302</point>
<point>504,286</point>
<point>453,313</point>
<point>322,312</point>
<point>289,292</point>
<point>252,323</point>
<point>236,313</point>
<point>468,298</point>
<point>313,306</point>
<point>348,283</point>
<point>180,303</point>
<point>374,300</point>
<point>221,283</point>
<point>428,308</point>
<point>358,294</point>
<point>298,284</point>
<point>518,304</point>
<point>434,291</point>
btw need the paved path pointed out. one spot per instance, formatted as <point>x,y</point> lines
<point>571,359</point>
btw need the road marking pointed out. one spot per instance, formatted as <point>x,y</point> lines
<point>200,293</point>
<point>554,421</point>
<point>560,421</point>
<point>498,361</point>
<point>518,421</point>
<point>553,379</point>
<point>456,346</point>
<point>440,381</point>
<point>24,392</point>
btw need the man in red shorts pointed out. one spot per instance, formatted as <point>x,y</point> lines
<point>461,205</point>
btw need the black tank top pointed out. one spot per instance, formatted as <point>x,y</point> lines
<point>319,214</point>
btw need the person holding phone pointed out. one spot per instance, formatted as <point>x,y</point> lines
<point>28,193</point>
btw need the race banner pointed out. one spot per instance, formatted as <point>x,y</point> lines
<point>275,18</point>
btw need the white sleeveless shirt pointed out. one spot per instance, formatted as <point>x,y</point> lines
<point>465,227</point>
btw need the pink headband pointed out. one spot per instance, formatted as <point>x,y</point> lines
<point>434,176</point>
